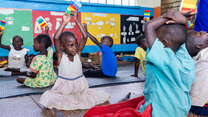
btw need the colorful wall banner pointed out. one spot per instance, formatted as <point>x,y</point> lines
<point>54,20</point>
<point>101,24</point>
<point>19,22</point>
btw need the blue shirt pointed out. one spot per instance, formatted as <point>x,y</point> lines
<point>169,77</point>
<point>201,23</point>
<point>109,61</point>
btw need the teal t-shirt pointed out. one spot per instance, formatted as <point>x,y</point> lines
<point>169,77</point>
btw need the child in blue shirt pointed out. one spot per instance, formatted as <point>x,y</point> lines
<point>109,62</point>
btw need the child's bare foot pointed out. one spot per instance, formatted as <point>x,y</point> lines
<point>20,80</point>
<point>134,75</point>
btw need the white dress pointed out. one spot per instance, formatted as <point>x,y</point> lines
<point>71,90</point>
<point>16,58</point>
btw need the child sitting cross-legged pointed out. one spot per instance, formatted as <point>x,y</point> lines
<point>17,56</point>
<point>71,90</point>
<point>42,73</point>
<point>169,73</point>
<point>109,62</point>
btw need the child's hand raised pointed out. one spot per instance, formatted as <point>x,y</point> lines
<point>46,29</point>
<point>175,17</point>
<point>85,27</point>
<point>66,18</point>
<point>188,13</point>
<point>75,15</point>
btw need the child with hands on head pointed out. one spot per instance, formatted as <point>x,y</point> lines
<point>170,69</point>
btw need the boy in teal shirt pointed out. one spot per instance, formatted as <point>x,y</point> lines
<point>169,67</point>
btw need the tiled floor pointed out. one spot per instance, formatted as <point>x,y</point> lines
<point>25,106</point>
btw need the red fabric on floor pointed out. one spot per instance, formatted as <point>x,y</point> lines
<point>127,108</point>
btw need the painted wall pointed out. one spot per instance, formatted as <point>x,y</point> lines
<point>151,3</point>
<point>148,3</point>
<point>113,18</point>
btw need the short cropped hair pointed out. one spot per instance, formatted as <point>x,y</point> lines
<point>44,39</point>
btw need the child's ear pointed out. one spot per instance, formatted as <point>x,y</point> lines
<point>165,42</point>
<point>199,46</point>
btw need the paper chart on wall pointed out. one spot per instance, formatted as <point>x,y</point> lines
<point>101,24</point>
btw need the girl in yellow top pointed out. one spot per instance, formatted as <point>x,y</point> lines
<point>140,54</point>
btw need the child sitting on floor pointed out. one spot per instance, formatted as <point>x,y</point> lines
<point>71,90</point>
<point>42,74</point>
<point>17,55</point>
<point>109,61</point>
<point>197,46</point>
<point>169,74</point>
<point>140,55</point>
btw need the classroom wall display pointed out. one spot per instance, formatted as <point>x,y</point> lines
<point>54,20</point>
<point>18,22</point>
<point>101,24</point>
<point>131,27</point>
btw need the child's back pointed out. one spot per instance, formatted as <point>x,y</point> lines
<point>44,65</point>
<point>109,62</point>
<point>169,77</point>
<point>169,73</point>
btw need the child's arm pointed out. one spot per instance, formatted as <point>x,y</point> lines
<point>83,39</point>
<point>169,17</point>
<point>94,40</point>
<point>66,19</point>
<point>177,17</point>
<point>2,45</point>
<point>136,68</point>
<point>46,30</point>
<point>150,30</point>
<point>83,31</point>
<point>28,60</point>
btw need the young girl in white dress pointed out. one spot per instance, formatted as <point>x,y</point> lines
<point>71,90</point>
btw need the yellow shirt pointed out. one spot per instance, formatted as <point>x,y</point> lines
<point>140,54</point>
